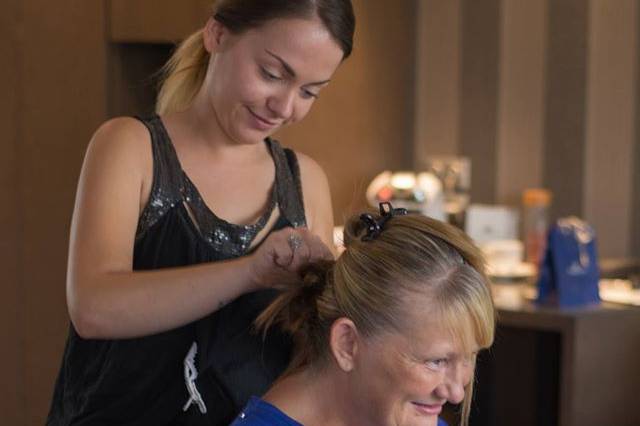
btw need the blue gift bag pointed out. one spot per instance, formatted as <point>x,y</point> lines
<point>569,273</point>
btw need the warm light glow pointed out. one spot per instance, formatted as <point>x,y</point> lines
<point>403,180</point>
<point>376,185</point>
<point>430,184</point>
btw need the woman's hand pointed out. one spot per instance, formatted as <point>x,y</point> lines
<point>278,261</point>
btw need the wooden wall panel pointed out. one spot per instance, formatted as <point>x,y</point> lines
<point>610,137</point>
<point>565,101</point>
<point>63,99</point>
<point>363,122</point>
<point>12,391</point>
<point>155,21</point>
<point>479,94</point>
<point>521,99</point>
<point>437,108</point>
<point>547,96</point>
<point>634,220</point>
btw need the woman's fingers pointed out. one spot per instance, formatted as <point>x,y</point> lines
<point>300,245</point>
<point>282,252</point>
<point>291,249</point>
<point>290,246</point>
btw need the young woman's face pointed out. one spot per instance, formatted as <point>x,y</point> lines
<point>404,379</point>
<point>268,77</point>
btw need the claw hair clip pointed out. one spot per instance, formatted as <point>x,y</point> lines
<point>374,227</point>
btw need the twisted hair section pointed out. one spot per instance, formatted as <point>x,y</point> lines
<point>304,311</point>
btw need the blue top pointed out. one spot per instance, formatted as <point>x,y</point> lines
<point>260,413</point>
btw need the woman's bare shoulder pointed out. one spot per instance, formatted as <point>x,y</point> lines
<point>122,132</point>
<point>120,149</point>
<point>123,142</point>
<point>311,170</point>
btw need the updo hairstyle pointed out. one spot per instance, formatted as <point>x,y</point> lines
<point>373,280</point>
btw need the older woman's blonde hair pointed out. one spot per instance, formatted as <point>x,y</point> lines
<point>372,281</point>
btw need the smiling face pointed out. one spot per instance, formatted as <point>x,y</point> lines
<point>404,379</point>
<point>268,77</point>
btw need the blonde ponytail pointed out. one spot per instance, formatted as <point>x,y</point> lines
<point>182,75</point>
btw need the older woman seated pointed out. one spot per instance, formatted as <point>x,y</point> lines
<point>385,335</point>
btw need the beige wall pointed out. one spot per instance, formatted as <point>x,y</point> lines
<point>54,74</point>
<point>549,100</point>
<point>12,299</point>
<point>63,76</point>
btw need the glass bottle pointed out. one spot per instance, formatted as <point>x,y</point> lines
<point>535,202</point>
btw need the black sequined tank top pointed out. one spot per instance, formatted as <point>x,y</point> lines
<point>202,373</point>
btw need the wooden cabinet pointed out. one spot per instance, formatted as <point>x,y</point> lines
<point>578,367</point>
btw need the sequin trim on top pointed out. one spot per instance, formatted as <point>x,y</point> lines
<point>225,237</point>
<point>165,191</point>
<point>172,188</point>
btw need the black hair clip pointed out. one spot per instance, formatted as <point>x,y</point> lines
<point>373,226</point>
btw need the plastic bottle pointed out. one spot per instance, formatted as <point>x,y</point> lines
<point>536,202</point>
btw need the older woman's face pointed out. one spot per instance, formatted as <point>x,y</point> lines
<point>405,379</point>
<point>268,77</point>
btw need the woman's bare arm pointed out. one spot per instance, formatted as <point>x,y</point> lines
<point>106,298</point>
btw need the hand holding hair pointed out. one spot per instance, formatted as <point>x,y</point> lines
<point>284,254</point>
